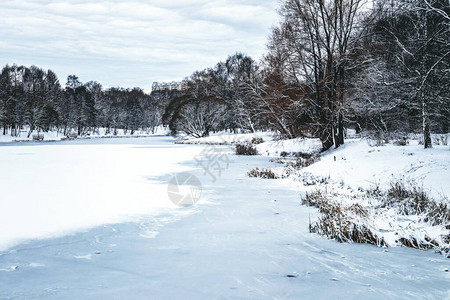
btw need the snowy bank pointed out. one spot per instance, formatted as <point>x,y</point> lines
<point>54,135</point>
<point>358,180</point>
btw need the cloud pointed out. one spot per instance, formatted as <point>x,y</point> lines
<point>131,43</point>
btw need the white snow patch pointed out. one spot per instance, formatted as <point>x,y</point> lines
<point>54,135</point>
<point>292,146</point>
<point>87,256</point>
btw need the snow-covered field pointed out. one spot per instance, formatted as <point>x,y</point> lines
<point>247,238</point>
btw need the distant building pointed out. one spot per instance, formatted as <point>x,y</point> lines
<point>169,86</point>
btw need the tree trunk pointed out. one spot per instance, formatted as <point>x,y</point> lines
<point>341,129</point>
<point>426,126</point>
<point>327,138</point>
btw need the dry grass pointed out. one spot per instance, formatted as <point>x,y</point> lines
<point>246,149</point>
<point>257,140</point>
<point>342,223</point>
<point>301,161</point>
<point>263,173</point>
<point>352,222</point>
<point>410,199</point>
<point>412,242</point>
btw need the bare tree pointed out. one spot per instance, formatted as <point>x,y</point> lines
<point>415,38</point>
<point>316,38</point>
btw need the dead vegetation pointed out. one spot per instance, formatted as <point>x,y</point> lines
<point>257,140</point>
<point>409,198</point>
<point>342,223</point>
<point>302,162</point>
<point>349,221</point>
<point>246,149</point>
<point>262,173</point>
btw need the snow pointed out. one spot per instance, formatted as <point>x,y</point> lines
<point>226,138</point>
<point>247,238</point>
<point>49,189</point>
<point>277,147</point>
<point>54,135</point>
<point>346,173</point>
<point>271,145</point>
<point>359,165</point>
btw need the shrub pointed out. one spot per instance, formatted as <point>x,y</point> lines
<point>401,141</point>
<point>263,173</point>
<point>38,137</point>
<point>257,140</point>
<point>246,149</point>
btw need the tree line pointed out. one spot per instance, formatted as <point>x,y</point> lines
<point>33,99</point>
<point>380,67</point>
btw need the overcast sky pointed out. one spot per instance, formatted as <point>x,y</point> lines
<point>131,43</point>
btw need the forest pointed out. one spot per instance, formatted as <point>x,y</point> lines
<point>380,68</point>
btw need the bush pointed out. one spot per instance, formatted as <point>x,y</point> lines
<point>246,149</point>
<point>401,141</point>
<point>257,140</point>
<point>38,137</point>
<point>263,173</point>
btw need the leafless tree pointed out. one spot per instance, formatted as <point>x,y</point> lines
<point>316,38</point>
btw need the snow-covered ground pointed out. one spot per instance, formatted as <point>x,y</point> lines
<point>247,238</point>
<point>346,176</point>
<point>228,138</point>
<point>269,144</point>
<point>362,166</point>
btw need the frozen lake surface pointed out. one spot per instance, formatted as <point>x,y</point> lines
<point>91,219</point>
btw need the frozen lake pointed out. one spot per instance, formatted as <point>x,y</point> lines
<point>55,188</point>
<point>91,219</point>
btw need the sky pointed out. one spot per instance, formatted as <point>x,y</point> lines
<point>131,43</point>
